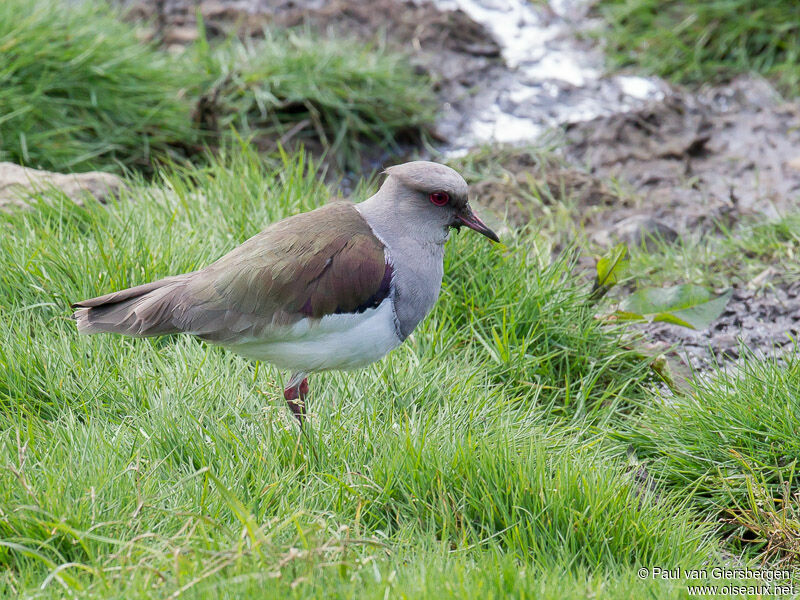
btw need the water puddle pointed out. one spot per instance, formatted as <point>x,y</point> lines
<point>553,76</point>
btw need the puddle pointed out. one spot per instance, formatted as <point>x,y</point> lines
<point>552,77</point>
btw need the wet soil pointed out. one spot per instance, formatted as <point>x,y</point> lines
<point>519,196</point>
<point>763,322</point>
<point>686,166</point>
<point>520,185</point>
<point>698,162</point>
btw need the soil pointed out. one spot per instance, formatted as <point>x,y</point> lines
<point>518,185</point>
<point>698,161</point>
<point>685,162</point>
<point>762,322</point>
<point>505,197</point>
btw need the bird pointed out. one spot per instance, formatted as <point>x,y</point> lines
<point>335,288</point>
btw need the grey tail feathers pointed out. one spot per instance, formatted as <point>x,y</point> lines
<point>141,311</point>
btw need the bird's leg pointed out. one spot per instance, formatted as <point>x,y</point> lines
<point>295,394</point>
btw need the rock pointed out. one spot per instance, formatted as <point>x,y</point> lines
<point>641,229</point>
<point>183,35</point>
<point>18,183</point>
<point>794,163</point>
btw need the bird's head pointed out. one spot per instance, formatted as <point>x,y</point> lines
<point>427,194</point>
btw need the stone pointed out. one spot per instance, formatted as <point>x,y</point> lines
<point>182,35</point>
<point>18,183</point>
<point>643,229</point>
<point>794,163</point>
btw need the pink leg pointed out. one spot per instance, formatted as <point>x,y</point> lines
<point>295,394</point>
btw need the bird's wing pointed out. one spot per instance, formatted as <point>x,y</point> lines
<point>310,265</point>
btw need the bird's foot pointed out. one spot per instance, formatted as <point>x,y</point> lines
<point>295,395</point>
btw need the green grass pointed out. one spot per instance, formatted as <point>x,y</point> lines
<point>698,42</point>
<point>731,256</point>
<point>514,446</point>
<point>337,93</point>
<point>79,91</point>
<point>734,442</point>
<point>472,460</point>
<point>731,445</point>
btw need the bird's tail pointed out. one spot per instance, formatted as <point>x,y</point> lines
<point>141,311</point>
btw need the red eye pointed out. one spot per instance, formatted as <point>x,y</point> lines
<point>439,198</point>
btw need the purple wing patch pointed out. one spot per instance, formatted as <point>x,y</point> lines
<point>379,296</point>
<point>307,310</point>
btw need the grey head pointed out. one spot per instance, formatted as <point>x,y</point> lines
<point>422,199</point>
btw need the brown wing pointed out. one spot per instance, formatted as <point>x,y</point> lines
<point>309,265</point>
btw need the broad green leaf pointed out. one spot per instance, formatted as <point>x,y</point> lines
<point>686,305</point>
<point>610,269</point>
<point>612,266</point>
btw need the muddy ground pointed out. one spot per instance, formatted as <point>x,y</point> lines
<point>686,162</point>
<point>687,165</point>
<point>727,152</point>
<point>697,162</point>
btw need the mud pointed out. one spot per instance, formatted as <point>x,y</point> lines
<point>518,185</point>
<point>698,160</point>
<point>764,322</point>
<point>695,163</point>
<point>687,165</point>
<point>553,73</point>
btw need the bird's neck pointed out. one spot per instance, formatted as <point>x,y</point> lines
<point>416,251</point>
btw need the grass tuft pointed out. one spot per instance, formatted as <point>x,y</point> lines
<point>297,87</point>
<point>734,443</point>
<point>698,42</point>
<point>79,91</point>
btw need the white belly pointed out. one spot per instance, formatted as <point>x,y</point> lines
<point>339,342</point>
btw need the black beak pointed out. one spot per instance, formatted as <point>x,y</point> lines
<point>471,220</point>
